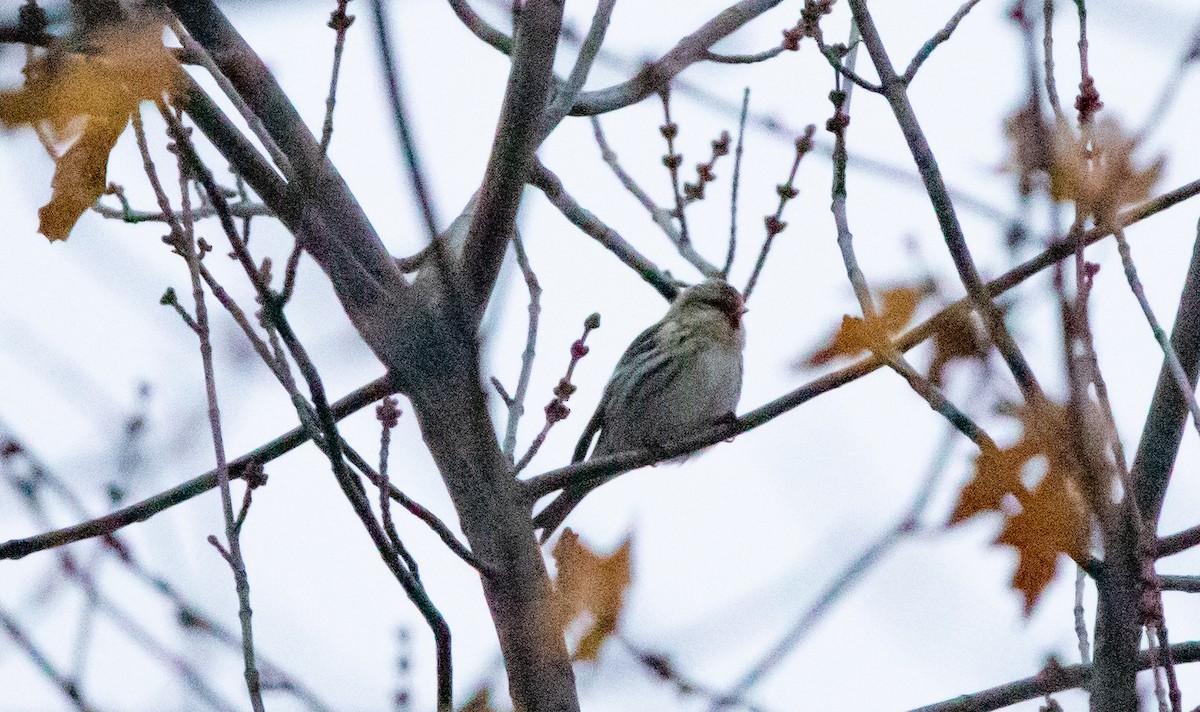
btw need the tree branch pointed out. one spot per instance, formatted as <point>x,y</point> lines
<point>689,50</point>
<point>1051,680</point>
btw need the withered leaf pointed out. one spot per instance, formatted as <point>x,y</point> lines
<point>593,585</point>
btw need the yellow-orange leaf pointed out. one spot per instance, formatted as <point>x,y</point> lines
<point>1053,519</point>
<point>591,585</point>
<point>87,99</point>
<point>897,307</point>
<point>79,176</point>
<point>957,336</point>
<point>1050,523</point>
<point>997,473</point>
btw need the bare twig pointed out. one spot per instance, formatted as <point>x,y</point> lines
<point>552,187</point>
<point>743,58</point>
<point>661,216</point>
<point>567,92</point>
<point>1171,359</point>
<point>240,210</point>
<point>198,51</point>
<point>556,409</point>
<point>1052,679</point>
<point>845,580</point>
<point>1048,60</point>
<point>185,245</point>
<point>774,223</point>
<point>658,74</point>
<point>339,22</point>
<point>1081,631</point>
<point>65,685</point>
<point>412,159</point>
<point>895,90</point>
<point>933,42</point>
<point>737,174</point>
<point>516,403</point>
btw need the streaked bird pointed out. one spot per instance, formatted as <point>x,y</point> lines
<point>679,377</point>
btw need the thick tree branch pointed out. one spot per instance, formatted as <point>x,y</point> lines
<point>1051,680</point>
<point>516,139</point>
<point>1164,425</point>
<point>332,226</point>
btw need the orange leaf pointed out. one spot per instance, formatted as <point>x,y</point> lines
<point>957,336</point>
<point>997,473</point>
<point>1051,523</point>
<point>89,98</point>
<point>897,307</point>
<point>1053,517</point>
<point>590,584</point>
<point>79,176</point>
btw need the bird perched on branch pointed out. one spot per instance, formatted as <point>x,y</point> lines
<point>679,377</point>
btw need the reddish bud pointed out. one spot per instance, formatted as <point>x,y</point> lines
<point>556,411</point>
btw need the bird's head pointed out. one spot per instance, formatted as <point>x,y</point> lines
<point>708,296</point>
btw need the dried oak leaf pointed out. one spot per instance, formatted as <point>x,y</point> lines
<point>856,335</point>
<point>957,336</point>
<point>1053,517</point>
<point>590,585</point>
<point>1052,522</point>
<point>88,99</point>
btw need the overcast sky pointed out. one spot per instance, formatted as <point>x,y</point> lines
<point>731,546</point>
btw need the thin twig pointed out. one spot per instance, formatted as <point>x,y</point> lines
<point>556,409</point>
<point>567,92</point>
<point>774,224</point>
<point>552,188</point>
<point>65,685</point>
<point>240,210</point>
<point>846,579</point>
<point>1048,60</point>
<point>388,414</point>
<point>185,244</point>
<point>933,42</point>
<point>339,22</point>
<point>412,158</point>
<point>743,58</point>
<point>661,216</point>
<point>516,403</point>
<point>1164,342</point>
<point>932,395</point>
<point>331,442</point>
<point>672,161</point>
<point>737,174</point>
<point>1081,631</point>
<point>1050,680</point>
<point>895,91</point>
<point>196,50</point>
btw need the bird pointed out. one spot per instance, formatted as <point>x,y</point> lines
<point>680,376</point>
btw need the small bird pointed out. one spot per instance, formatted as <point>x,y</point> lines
<point>679,377</point>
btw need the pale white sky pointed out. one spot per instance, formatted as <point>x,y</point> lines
<point>731,546</point>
